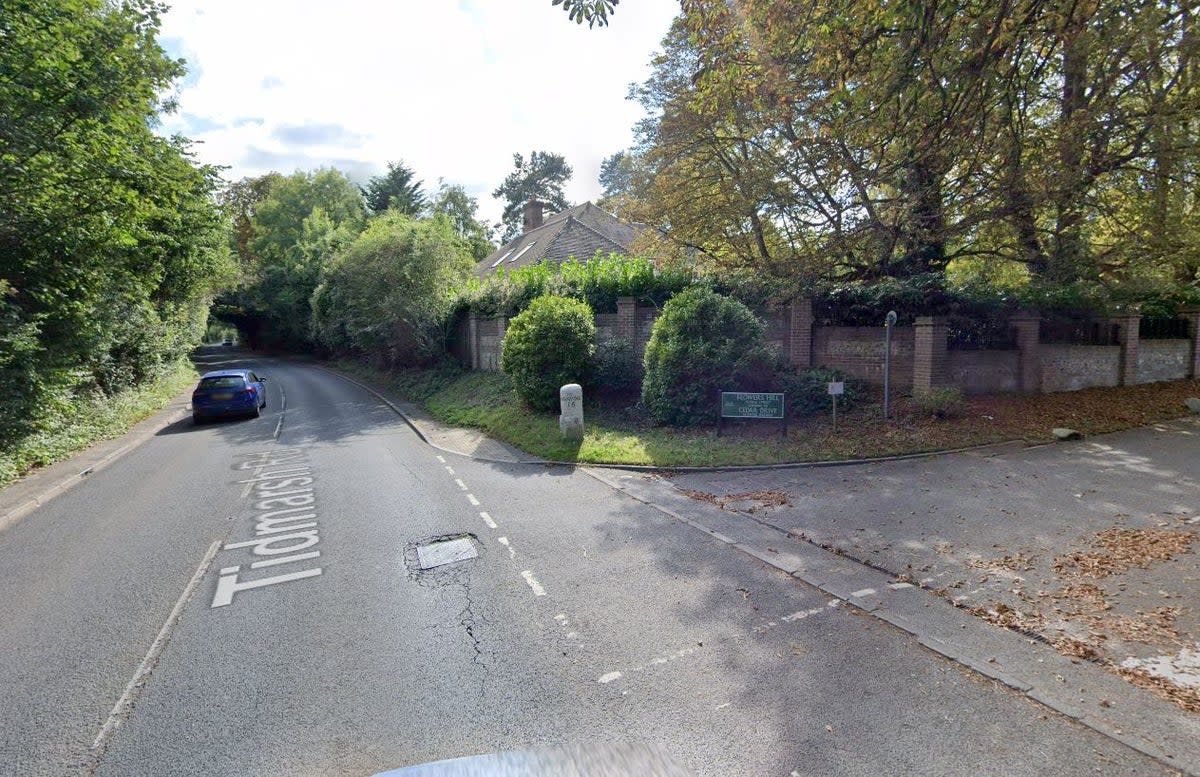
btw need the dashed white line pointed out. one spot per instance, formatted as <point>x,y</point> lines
<point>442,460</point>
<point>460,484</point>
<point>471,498</point>
<point>504,541</point>
<point>533,583</point>
<point>124,704</point>
<point>278,426</point>
<point>450,469</point>
<point>605,679</point>
<point>488,520</point>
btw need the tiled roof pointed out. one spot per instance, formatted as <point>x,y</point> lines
<point>577,232</point>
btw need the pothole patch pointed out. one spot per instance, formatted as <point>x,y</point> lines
<point>446,550</point>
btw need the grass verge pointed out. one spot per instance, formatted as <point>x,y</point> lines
<point>90,420</point>
<point>620,434</point>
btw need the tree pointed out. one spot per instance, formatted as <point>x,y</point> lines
<point>592,11</point>
<point>387,294</point>
<point>111,243</point>
<point>616,181</point>
<point>871,138</point>
<point>541,177</point>
<point>395,190</point>
<point>299,226</point>
<point>453,202</point>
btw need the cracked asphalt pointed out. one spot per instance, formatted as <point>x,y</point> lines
<point>588,617</point>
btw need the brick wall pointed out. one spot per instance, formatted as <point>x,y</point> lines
<point>1074,367</point>
<point>983,372</point>
<point>1163,360</point>
<point>491,336</point>
<point>606,326</point>
<point>858,351</point>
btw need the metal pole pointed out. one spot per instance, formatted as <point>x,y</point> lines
<point>887,362</point>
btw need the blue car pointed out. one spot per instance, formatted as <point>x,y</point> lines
<point>228,392</point>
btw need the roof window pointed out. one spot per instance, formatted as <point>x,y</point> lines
<point>522,252</point>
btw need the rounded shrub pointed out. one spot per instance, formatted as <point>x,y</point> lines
<point>549,344</point>
<point>702,344</point>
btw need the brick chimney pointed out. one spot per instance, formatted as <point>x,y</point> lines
<point>533,214</point>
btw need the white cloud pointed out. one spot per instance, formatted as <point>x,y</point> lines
<point>453,89</point>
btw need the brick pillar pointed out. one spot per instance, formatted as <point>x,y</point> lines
<point>800,333</point>
<point>473,340</point>
<point>1128,331</point>
<point>1028,324</point>
<point>1193,318</point>
<point>627,319</point>
<point>929,354</point>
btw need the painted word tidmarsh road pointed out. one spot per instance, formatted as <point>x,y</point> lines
<point>284,525</point>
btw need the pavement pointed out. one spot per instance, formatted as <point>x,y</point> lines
<point>170,615</point>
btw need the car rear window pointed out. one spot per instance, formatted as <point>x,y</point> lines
<point>229,381</point>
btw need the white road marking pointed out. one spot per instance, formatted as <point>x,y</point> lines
<point>863,592</point>
<point>488,520</point>
<point>124,704</point>
<point>229,570</point>
<point>450,469</point>
<point>460,484</point>
<point>282,398</point>
<point>605,679</point>
<point>278,426</point>
<point>533,583</point>
<point>439,458</point>
<point>471,498</point>
<point>504,541</point>
<point>795,616</point>
<point>900,586</point>
<point>723,706</point>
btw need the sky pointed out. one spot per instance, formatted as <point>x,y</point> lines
<point>451,87</point>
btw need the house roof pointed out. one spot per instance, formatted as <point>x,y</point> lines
<point>578,232</point>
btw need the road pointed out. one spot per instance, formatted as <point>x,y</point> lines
<point>139,640</point>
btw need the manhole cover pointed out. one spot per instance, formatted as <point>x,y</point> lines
<point>438,554</point>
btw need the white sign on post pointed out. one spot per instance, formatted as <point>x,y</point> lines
<point>837,387</point>
<point>570,400</point>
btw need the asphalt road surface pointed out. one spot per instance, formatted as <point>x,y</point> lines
<point>246,597</point>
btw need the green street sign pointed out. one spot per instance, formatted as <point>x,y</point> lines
<point>749,404</point>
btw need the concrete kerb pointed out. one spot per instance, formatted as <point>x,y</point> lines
<point>68,481</point>
<point>654,468</point>
<point>1075,688</point>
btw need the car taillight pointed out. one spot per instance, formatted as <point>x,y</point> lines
<point>248,390</point>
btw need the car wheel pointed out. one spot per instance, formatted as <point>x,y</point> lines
<point>256,412</point>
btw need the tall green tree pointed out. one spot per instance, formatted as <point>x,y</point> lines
<point>453,202</point>
<point>397,189</point>
<point>879,138</point>
<point>111,242</point>
<point>540,177</point>
<point>303,221</point>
